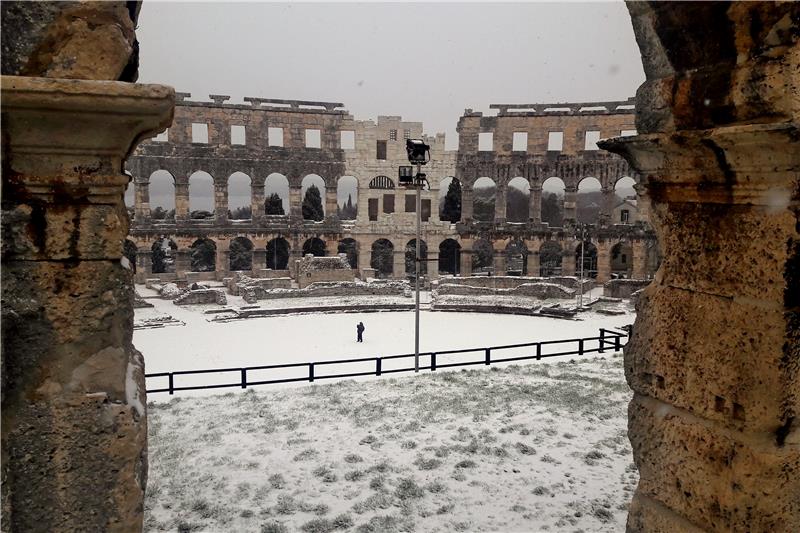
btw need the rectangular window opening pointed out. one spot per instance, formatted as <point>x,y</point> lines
<point>238,135</point>
<point>348,140</point>
<point>592,137</point>
<point>555,141</point>
<point>313,138</point>
<point>381,150</point>
<point>628,133</point>
<point>275,136</point>
<point>486,142</point>
<point>426,210</point>
<point>199,133</point>
<point>624,216</point>
<point>162,137</point>
<point>411,203</point>
<point>372,208</point>
<point>520,142</point>
<point>406,134</point>
<point>388,203</point>
<point>392,135</point>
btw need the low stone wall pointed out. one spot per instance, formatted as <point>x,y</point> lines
<point>505,309</point>
<point>510,282</point>
<point>311,269</point>
<point>269,273</point>
<point>329,288</point>
<point>201,296</point>
<point>623,288</point>
<point>139,302</point>
<point>240,282</point>
<point>535,290</point>
<point>304,279</point>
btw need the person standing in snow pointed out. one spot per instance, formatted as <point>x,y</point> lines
<point>360,331</point>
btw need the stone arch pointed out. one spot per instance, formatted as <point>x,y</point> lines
<point>516,258</point>
<point>276,184</point>
<point>129,250</point>
<point>411,253</point>
<point>312,208</point>
<point>347,197</point>
<point>278,254</point>
<point>552,204</point>
<point>161,191</point>
<point>624,187</point>
<point>240,254</point>
<point>203,255</point>
<point>450,208</point>
<point>482,256</point>
<point>589,259</point>
<point>314,246</point>
<point>484,194</point>
<point>349,246</point>
<point>201,195</point>
<point>382,258</point>
<point>162,256</point>
<point>239,196</point>
<point>449,257</point>
<point>550,259</point>
<point>381,182</point>
<point>621,260</point>
<point>589,200</point>
<point>518,199</point>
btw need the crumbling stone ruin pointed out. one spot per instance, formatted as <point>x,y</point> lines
<point>292,143</point>
<point>73,399</point>
<point>715,352</point>
<point>201,296</point>
<point>312,269</point>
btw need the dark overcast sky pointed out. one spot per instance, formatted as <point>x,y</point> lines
<point>426,62</point>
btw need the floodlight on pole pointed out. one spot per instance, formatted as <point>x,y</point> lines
<point>419,153</point>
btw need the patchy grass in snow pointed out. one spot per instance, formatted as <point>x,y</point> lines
<point>536,447</point>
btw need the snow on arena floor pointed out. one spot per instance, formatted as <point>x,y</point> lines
<point>535,447</point>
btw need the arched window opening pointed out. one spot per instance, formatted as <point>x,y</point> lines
<point>162,196</point>
<point>203,255</point>
<point>450,199</point>
<point>553,192</point>
<point>589,201</point>
<point>313,192</point>
<point>240,254</point>
<point>382,259</point>
<point>276,193</point>
<point>411,253</point>
<point>482,256</point>
<point>349,247</point>
<point>381,182</point>
<point>518,199</point>
<point>278,254</point>
<point>621,260</point>
<point>550,259</point>
<point>449,257</point>
<point>201,196</point>
<point>484,193</point>
<point>239,196</point>
<point>347,197</point>
<point>162,256</point>
<point>516,259</point>
<point>314,246</point>
<point>129,250</point>
<point>588,252</point>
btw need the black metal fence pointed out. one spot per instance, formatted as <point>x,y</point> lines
<point>607,340</point>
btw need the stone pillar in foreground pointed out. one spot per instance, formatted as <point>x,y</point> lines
<point>715,352</point>
<point>74,427</point>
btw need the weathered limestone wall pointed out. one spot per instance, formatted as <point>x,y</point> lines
<point>201,296</point>
<point>623,288</point>
<point>536,290</point>
<point>715,352</point>
<point>74,426</point>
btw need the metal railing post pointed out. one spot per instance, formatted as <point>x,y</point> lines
<point>244,378</point>
<point>488,359</point>
<point>580,346</point>
<point>538,351</point>
<point>311,372</point>
<point>602,340</point>
<point>377,366</point>
<point>616,342</point>
<point>171,384</point>
<point>433,362</point>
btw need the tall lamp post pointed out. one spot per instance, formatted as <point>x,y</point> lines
<point>419,154</point>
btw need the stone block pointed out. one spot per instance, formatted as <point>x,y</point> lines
<point>720,358</point>
<point>716,478</point>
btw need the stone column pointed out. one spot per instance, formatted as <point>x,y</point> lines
<point>639,252</point>
<point>142,201</point>
<point>607,206</point>
<point>181,200</point>
<point>533,263</point>
<point>257,199</point>
<point>144,264</point>
<point>570,205</point>
<point>330,204</point>
<point>221,202</point>
<point>433,263</point>
<point>467,202</point>
<point>500,204</point>
<point>183,262</point>
<point>568,263</point>
<point>296,204</point>
<point>715,352</point>
<point>603,262</point>
<point>500,263</point>
<point>535,207</point>
<point>73,394</point>
<point>399,262</point>
<point>465,260</point>
<point>259,259</point>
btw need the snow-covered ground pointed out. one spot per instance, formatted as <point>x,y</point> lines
<point>537,447</point>
<point>203,344</point>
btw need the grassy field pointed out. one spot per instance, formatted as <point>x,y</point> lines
<point>540,447</point>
